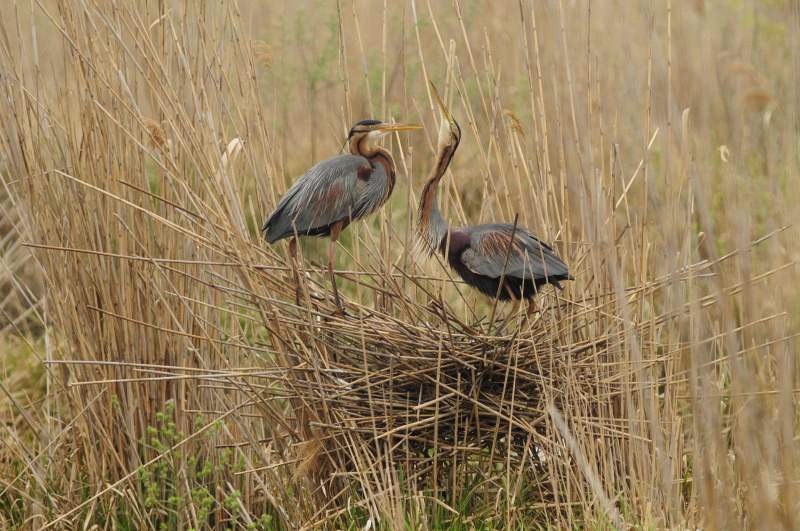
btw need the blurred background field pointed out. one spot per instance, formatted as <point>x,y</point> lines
<point>157,374</point>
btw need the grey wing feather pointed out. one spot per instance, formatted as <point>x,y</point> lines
<point>328,192</point>
<point>372,193</point>
<point>530,258</point>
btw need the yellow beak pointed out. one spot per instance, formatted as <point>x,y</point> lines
<point>398,127</point>
<point>442,107</point>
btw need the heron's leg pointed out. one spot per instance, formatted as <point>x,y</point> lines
<point>295,272</point>
<point>335,230</point>
<point>514,298</point>
<point>514,307</point>
<point>532,306</point>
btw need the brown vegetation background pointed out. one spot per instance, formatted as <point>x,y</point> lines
<point>157,373</point>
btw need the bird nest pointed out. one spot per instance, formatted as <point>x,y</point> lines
<point>430,397</point>
<point>440,386</point>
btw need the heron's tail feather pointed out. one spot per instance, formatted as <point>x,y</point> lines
<point>277,226</point>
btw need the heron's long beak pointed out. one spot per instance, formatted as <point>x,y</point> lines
<point>398,127</point>
<point>443,108</point>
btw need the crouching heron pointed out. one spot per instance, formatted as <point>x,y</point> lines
<point>484,255</point>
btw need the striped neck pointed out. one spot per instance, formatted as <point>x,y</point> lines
<point>432,228</point>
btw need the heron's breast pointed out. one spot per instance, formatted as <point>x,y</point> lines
<point>456,244</point>
<point>383,167</point>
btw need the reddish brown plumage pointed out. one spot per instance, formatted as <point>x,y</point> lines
<point>499,244</point>
<point>365,171</point>
<point>381,156</point>
<point>337,191</point>
<point>428,194</point>
<point>498,259</point>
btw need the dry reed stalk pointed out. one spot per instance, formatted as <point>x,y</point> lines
<point>649,393</point>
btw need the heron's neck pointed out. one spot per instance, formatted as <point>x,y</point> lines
<point>360,145</point>
<point>432,227</point>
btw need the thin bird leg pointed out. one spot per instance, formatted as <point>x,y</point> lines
<point>514,307</point>
<point>293,254</point>
<point>515,304</point>
<point>533,314</point>
<point>335,230</point>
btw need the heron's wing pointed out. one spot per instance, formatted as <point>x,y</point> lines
<point>325,194</point>
<point>528,258</point>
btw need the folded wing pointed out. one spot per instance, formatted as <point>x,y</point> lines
<point>528,257</point>
<point>329,192</point>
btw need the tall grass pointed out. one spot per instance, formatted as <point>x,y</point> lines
<point>654,145</point>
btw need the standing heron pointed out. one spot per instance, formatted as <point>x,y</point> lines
<point>336,192</point>
<point>484,255</point>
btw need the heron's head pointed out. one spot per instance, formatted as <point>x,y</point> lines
<point>374,129</point>
<point>449,130</point>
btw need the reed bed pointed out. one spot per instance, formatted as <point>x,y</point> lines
<point>183,386</point>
